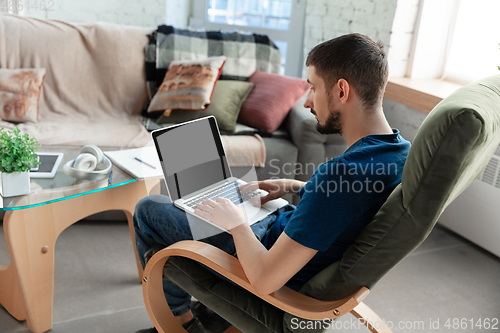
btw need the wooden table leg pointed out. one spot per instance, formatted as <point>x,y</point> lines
<point>31,236</point>
<point>10,293</point>
<point>31,239</point>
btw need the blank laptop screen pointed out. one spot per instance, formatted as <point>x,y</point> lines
<point>191,155</point>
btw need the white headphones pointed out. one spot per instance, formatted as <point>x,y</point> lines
<point>90,164</point>
<point>90,156</point>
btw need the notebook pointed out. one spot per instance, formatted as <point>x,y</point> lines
<point>140,163</point>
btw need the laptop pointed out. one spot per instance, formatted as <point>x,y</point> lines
<point>195,168</point>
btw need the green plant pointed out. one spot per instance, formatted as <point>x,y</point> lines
<point>17,152</point>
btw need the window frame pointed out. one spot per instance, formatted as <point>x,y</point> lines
<point>294,36</point>
<point>426,38</point>
<point>430,49</point>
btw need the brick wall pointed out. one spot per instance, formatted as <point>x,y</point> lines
<point>178,12</point>
<point>144,13</point>
<point>390,21</point>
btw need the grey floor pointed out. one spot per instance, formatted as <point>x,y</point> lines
<point>97,287</point>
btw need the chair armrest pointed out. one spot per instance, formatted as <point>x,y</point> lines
<point>286,299</point>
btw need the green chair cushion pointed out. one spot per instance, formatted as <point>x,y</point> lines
<point>241,308</point>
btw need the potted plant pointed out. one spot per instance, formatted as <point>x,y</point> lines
<point>17,157</point>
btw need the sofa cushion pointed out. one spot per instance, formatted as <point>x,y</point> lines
<point>225,106</point>
<point>188,85</point>
<point>271,99</point>
<point>19,93</point>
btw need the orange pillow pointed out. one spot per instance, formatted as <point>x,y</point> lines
<point>188,85</point>
<point>20,93</point>
<point>270,100</point>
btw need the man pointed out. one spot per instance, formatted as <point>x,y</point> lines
<point>347,77</point>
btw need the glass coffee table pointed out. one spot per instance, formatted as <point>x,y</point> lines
<point>33,222</point>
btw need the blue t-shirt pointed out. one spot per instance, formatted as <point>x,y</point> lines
<point>340,199</point>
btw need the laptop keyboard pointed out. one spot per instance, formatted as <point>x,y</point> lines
<point>229,191</point>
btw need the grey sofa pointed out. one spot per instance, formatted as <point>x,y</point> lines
<point>313,148</point>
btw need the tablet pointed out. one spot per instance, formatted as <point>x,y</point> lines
<point>48,167</point>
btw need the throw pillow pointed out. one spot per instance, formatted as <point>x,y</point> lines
<point>188,85</point>
<point>19,94</point>
<point>226,103</point>
<point>270,101</point>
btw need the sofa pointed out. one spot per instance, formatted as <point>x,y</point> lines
<point>95,89</point>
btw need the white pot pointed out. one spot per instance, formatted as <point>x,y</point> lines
<point>15,183</point>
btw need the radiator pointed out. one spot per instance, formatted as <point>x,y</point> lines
<point>475,214</point>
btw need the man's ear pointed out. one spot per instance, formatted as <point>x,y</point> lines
<point>344,90</point>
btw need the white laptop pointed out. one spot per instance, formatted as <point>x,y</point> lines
<point>195,168</point>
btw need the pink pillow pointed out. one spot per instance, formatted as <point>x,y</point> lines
<point>270,100</point>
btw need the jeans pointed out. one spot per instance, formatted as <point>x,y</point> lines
<point>158,221</point>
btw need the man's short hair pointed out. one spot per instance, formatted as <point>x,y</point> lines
<point>356,58</point>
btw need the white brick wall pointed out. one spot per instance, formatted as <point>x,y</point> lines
<point>145,13</point>
<point>178,12</point>
<point>337,17</point>
<point>390,21</point>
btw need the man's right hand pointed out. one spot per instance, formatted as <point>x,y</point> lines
<point>276,188</point>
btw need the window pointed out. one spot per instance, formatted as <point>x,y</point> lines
<point>281,20</point>
<point>474,51</point>
<point>270,14</point>
<point>457,40</point>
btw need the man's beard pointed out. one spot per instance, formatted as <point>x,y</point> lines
<point>332,124</point>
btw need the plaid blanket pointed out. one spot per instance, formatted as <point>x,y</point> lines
<point>245,52</point>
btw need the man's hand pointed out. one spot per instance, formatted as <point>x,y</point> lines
<point>275,187</point>
<point>266,270</point>
<point>222,212</point>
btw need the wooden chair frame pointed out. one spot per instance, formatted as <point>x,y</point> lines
<point>285,299</point>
